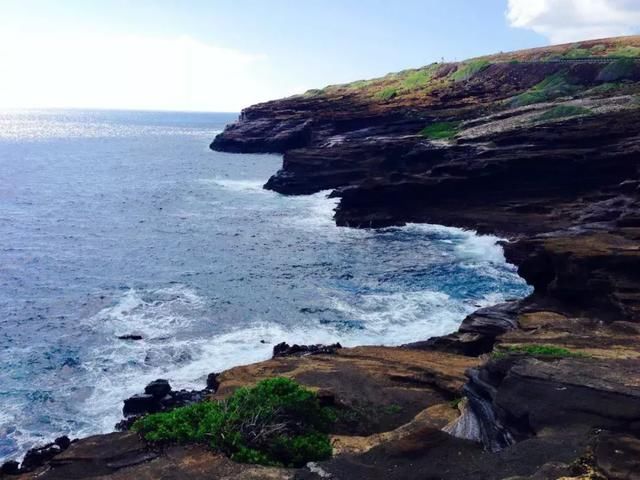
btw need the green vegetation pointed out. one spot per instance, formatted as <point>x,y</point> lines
<point>277,422</point>
<point>440,130</point>
<point>359,84</point>
<point>553,86</point>
<point>617,70</point>
<point>626,51</point>
<point>469,69</point>
<point>455,402</point>
<point>313,92</point>
<point>535,350</point>
<point>419,78</point>
<point>564,111</point>
<point>577,53</point>
<point>387,93</point>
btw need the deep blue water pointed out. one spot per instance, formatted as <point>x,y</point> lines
<point>125,222</point>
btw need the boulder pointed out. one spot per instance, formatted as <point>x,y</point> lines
<point>158,388</point>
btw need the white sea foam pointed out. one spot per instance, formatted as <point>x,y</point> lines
<point>248,186</point>
<point>117,369</point>
<point>469,245</point>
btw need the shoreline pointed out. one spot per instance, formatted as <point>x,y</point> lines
<point>545,387</point>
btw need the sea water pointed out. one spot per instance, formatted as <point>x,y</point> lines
<point>125,223</point>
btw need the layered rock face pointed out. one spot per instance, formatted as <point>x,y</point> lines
<point>540,147</point>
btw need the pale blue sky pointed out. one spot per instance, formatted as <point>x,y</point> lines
<point>225,54</point>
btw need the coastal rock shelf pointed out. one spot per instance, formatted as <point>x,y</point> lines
<point>535,146</point>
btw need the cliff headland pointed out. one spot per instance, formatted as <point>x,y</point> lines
<point>540,147</point>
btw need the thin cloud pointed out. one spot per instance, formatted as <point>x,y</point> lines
<point>572,20</point>
<point>129,71</point>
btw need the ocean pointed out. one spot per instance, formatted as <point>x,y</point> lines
<point>125,223</point>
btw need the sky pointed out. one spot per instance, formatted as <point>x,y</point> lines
<point>223,55</point>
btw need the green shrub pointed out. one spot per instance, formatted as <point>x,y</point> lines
<point>564,111</point>
<point>276,422</point>
<point>469,69</point>
<point>440,130</point>
<point>535,350</point>
<point>553,86</point>
<point>617,70</point>
<point>387,94</point>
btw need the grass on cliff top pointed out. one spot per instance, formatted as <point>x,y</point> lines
<point>440,130</point>
<point>413,79</point>
<point>564,111</point>
<point>533,349</point>
<point>553,86</point>
<point>468,69</point>
<point>387,93</point>
<point>277,422</point>
<point>625,51</point>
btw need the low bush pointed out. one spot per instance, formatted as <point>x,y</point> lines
<point>440,130</point>
<point>277,422</point>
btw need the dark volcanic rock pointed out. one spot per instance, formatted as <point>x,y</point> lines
<point>285,350</point>
<point>618,456</point>
<point>10,468</point>
<point>158,388</point>
<point>516,397</point>
<point>131,337</point>
<point>212,382</point>
<point>37,457</point>
<point>141,403</point>
<point>158,396</point>
<point>478,331</point>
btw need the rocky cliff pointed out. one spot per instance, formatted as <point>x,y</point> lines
<point>541,147</point>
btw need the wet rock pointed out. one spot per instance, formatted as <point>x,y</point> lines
<point>158,388</point>
<point>212,382</point>
<point>285,350</point>
<point>132,336</point>
<point>158,396</point>
<point>63,442</point>
<point>141,403</point>
<point>10,468</point>
<point>36,457</point>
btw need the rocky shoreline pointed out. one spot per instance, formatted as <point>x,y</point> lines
<point>546,387</point>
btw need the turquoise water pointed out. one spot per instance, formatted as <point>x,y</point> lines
<point>118,223</point>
